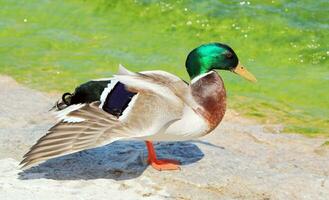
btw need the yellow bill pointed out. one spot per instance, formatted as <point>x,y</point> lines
<point>242,71</point>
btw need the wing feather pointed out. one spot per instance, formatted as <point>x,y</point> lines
<point>160,83</point>
<point>65,138</point>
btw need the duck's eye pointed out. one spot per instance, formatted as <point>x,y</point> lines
<point>229,55</point>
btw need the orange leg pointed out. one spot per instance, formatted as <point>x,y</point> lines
<point>164,164</point>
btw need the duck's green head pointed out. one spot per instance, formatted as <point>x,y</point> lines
<point>214,56</point>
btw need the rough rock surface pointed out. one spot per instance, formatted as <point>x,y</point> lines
<point>239,160</point>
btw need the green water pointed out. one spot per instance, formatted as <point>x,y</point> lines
<point>55,45</point>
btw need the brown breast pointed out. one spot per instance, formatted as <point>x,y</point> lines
<point>209,92</point>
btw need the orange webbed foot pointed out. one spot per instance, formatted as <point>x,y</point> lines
<point>165,164</point>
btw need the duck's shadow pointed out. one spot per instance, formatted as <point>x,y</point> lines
<point>120,160</point>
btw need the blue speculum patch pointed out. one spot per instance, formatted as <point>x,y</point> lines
<point>117,100</point>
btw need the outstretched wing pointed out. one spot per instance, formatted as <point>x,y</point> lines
<point>91,129</point>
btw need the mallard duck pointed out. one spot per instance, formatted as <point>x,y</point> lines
<point>148,106</point>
